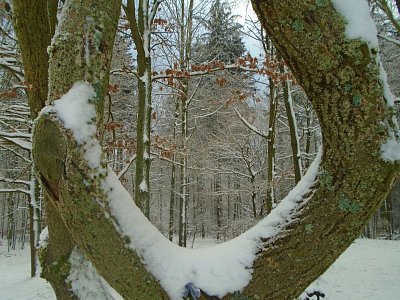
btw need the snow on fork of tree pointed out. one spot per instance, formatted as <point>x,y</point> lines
<point>360,25</point>
<point>217,270</point>
<point>78,114</point>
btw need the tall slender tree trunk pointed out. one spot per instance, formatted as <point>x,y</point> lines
<point>29,18</point>
<point>140,25</point>
<point>273,109</point>
<point>332,213</point>
<point>185,47</point>
<point>218,203</point>
<point>308,134</point>
<point>173,177</point>
<point>34,222</point>
<point>294,139</point>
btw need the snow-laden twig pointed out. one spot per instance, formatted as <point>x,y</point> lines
<point>16,153</point>
<point>26,192</point>
<point>26,145</point>
<point>16,119</point>
<point>9,180</point>
<point>250,126</point>
<point>127,166</point>
<point>394,41</point>
<point>16,134</point>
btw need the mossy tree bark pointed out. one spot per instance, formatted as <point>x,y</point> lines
<point>30,18</point>
<point>335,72</point>
<point>340,77</point>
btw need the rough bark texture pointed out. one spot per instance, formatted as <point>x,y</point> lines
<point>91,227</point>
<point>32,28</point>
<point>341,79</point>
<point>29,17</point>
<point>89,26</point>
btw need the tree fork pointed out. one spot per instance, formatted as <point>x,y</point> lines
<point>342,200</point>
<point>63,171</point>
<point>311,39</point>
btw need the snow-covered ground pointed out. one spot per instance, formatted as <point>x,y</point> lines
<point>15,281</point>
<point>368,270</point>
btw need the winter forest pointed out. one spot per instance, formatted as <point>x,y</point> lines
<point>186,149</point>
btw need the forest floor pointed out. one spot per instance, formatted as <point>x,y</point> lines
<point>368,270</point>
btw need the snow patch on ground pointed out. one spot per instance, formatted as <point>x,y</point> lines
<point>368,270</point>
<point>15,282</point>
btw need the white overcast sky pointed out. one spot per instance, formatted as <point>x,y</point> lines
<point>244,10</point>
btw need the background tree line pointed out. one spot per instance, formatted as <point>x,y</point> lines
<point>218,127</point>
<point>224,165</point>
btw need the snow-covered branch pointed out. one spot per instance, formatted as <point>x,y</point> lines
<point>26,145</point>
<point>394,41</point>
<point>125,169</point>
<point>10,64</point>
<point>26,192</point>
<point>250,126</point>
<point>15,153</point>
<point>18,181</point>
<point>16,135</point>
<point>188,74</point>
<point>207,71</point>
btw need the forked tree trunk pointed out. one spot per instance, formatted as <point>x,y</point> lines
<point>353,179</point>
<point>355,123</point>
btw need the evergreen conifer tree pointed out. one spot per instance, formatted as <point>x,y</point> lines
<point>222,40</point>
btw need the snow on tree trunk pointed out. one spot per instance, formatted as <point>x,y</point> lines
<point>140,25</point>
<point>302,236</point>
<point>340,75</point>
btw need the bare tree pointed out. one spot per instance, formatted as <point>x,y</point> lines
<point>358,133</point>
